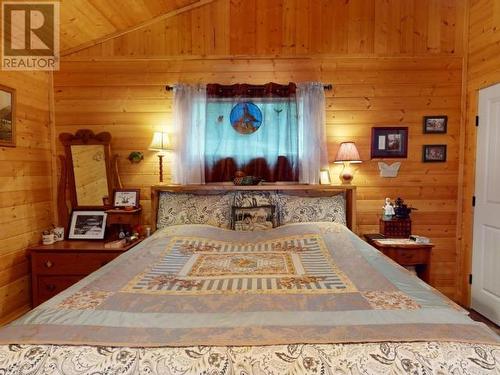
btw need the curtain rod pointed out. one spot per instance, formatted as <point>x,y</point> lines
<point>327,86</point>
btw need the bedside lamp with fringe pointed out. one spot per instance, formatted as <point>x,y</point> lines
<point>347,154</point>
<point>160,143</point>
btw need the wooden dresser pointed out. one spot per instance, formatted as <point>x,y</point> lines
<point>58,266</point>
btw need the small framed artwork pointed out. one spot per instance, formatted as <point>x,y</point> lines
<point>434,153</point>
<point>435,124</point>
<point>87,225</point>
<point>7,116</point>
<point>126,198</point>
<point>324,177</point>
<point>389,142</point>
<point>253,218</point>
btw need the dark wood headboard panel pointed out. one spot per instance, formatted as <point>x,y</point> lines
<point>295,189</point>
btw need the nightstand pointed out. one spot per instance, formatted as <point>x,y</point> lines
<point>58,266</point>
<point>404,252</point>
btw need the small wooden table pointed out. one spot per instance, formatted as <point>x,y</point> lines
<point>58,266</point>
<point>404,252</point>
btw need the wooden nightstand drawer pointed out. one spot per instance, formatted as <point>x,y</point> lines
<point>408,257</point>
<point>49,286</point>
<point>70,263</point>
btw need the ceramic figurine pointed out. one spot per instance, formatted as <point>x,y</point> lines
<point>388,210</point>
<point>402,210</point>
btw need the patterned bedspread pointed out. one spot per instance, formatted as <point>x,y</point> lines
<point>249,301</point>
<point>382,358</point>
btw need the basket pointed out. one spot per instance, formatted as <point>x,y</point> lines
<point>395,228</point>
<point>247,180</point>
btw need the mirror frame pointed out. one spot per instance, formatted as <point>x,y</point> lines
<point>81,138</point>
<point>13,105</point>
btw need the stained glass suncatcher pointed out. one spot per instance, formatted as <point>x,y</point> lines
<point>246,118</point>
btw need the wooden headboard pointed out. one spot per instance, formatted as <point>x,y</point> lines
<point>292,189</point>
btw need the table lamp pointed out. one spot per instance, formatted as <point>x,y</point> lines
<point>347,154</point>
<point>160,143</point>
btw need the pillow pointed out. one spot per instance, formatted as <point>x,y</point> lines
<point>253,218</point>
<point>184,208</point>
<point>296,209</point>
<point>257,199</point>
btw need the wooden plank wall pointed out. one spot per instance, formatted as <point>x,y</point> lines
<point>25,189</point>
<point>483,70</point>
<point>391,62</point>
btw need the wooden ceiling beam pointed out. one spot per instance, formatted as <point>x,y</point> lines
<point>151,21</point>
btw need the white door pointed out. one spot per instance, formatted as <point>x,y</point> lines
<point>486,246</point>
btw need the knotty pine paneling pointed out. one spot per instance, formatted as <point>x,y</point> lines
<point>483,70</point>
<point>85,21</point>
<point>298,27</point>
<point>127,98</point>
<point>26,205</point>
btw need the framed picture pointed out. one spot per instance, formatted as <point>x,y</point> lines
<point>253,218</point>
<point>389,142</point>
<point>434,153</point>
<point>87,225</point>
<point>435,124</point>
<point>7,116</point>
<point>324,177</point>
<point>126,197</point>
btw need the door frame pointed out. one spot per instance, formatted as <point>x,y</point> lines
<point>466,191</point>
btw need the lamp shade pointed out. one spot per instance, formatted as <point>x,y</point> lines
<point>160,142</point>
<point>347,152</point>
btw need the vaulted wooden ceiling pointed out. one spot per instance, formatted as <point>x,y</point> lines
<point>85,21</point>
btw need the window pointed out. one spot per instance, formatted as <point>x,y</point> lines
<point>252,129</point>
<point>276,132</point>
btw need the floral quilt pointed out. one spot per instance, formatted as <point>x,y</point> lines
<point>300,298</point>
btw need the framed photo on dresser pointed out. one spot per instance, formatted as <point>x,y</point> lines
<point>126,198</point>
<point>87,225</point>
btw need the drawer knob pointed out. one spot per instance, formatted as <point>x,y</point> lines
<point>51,287</point>
<point>49,264</point>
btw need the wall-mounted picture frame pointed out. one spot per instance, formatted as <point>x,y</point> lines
<point>435,124</point>
<point>87,225</point>
<point>434,153</point>
<point>389,142</point>
<point>7,116</point>
<point>123,198</point>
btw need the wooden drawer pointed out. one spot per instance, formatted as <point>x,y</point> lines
<point>124,219</point>
<point>49,286</point>
<point>70,263</point>
<point>408,257</point>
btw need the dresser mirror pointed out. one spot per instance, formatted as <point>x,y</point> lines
<point>90,174</point>
<point>87,172</point>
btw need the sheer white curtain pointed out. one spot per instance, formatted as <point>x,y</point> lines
<point>313,154</point>
<point>190,106</point>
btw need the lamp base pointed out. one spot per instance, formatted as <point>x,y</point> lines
<point>346,178</point>
<point>346,174</point>
<point>160,160</point>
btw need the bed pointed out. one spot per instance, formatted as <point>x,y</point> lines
<point>303,298</point>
